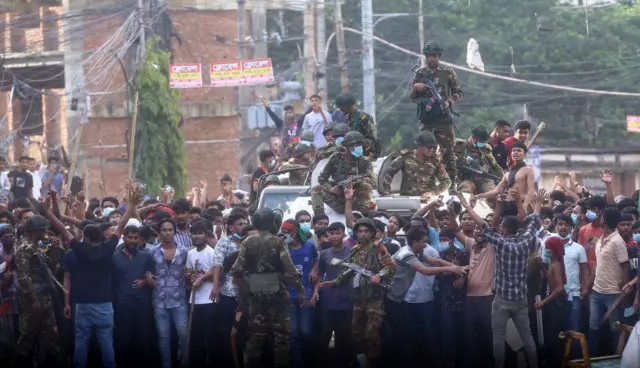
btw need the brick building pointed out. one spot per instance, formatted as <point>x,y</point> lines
<point>216,137</point>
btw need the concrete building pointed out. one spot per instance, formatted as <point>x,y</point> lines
<point>216,136</point>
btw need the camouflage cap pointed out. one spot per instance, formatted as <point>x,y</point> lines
<point>341,129</point>
<point>365,221</point>
<point>481,133</point>
<point>353,137</point>
<point>274,178</point>
<point>345,100</point>
<point>307,135</point>
<point>328,128</point>
<point>300,150</point>
<point>35,223</point>
<point>433,47</point>
<point>426,139</point>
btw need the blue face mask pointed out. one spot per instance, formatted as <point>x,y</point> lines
<point>339,140</point>
<point>636,238</point>
<point>272,164</point>
<point>574,218</point>
<point>564,237</point>
<point>305,226</point>
<point>357,152</point>
<point>591,215</point>
<point>237,236</point>
<point>350,232</point>
<point>546,256</point>
<point>444,247</point>
<point>480,145</point>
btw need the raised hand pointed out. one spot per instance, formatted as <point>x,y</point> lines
<point>606,176</point>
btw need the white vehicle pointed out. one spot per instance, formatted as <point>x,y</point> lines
<point>291,199</point>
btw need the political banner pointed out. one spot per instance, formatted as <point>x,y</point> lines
<point>633,123</point>
<point>185,76</point>
<point>241,73</point>
<point>533,160</point>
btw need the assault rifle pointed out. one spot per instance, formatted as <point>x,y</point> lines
<point>359,269</point>
<point>482,174</point>
<point>446,109</point>
<point>343,183</point>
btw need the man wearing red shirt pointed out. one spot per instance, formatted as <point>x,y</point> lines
<point>522,129</point>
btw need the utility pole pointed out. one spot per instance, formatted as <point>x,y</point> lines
<point>342,53</point>
<point>368,77</point>
<point>423,60</point>
<point>309,49</point>
<point>321,38</point>
<point>136,101</point>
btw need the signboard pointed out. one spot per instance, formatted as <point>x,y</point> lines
<point>533,160</point>
<point>241,73</point>
<point>633,123</point>
<point>185,75</point>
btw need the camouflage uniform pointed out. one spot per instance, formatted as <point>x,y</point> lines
<point>298,177</point>
<point>37,319</point>
<point>447,83</point>
<point>368,299</point>
<point>359,121</point>
<point>429,175</point>
<point>341,168</point>
<point>265,255</point>
<point>477,158</point>
<point>339,131</point>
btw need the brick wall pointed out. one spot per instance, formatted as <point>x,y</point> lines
<point>212,126</point>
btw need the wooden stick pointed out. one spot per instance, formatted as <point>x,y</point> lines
<point>74,161</point>
<point>132,134</point>
<point>193,303</point>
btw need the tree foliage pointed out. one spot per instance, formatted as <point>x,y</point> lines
<point>594,49</point>
<point>159,157</point>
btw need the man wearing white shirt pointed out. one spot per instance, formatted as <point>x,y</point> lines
<point>5,184</point>
<point>202,332</point>
<point>316,120</point>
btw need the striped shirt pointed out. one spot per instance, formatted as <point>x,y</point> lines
<point>183,239</point>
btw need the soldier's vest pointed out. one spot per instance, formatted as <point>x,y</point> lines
<point>417,176</point>
<point>365,290</point>
<point>475,160</point>
<point>429,109</point>
<point>346,169</point>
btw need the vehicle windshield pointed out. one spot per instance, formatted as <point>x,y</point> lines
<point>280,200</point>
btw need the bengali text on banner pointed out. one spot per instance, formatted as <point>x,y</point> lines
<point>633,123</point>
<point>226,74</point>
<point>257,71</point>
<point>185,75</point>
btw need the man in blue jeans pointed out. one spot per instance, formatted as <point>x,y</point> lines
<point>304,256</point>
<point>92,293</point>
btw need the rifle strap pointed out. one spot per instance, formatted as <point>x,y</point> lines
<point>511,180</point>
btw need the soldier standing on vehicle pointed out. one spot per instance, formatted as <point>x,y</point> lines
<point>346,163</point>
<point>423,173</point>
<point>339,131</point>
<point>359,121</point>
<point>367,294</point>
<point>35,289</point>
<point>301,157</point>
<point>264,264</point>
<point>430,113</point>
<point>475,153</point>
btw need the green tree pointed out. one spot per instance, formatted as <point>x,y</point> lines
<point>159,156</point>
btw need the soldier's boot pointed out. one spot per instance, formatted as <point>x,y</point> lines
<point>317,204</point>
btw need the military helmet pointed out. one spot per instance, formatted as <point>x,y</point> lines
<point>365,221</point>
<point>341,129</point>
<point>300,150</point>
<point>274,178</point>
<point>328,128</point>
<point>35,223</point>
<point>263,219</point>
<point>480,132</point>
<point>353,137</point>
<point>307,135</point>
<point>426,139</point>
<point>432,47</point>
<point>345,100</point>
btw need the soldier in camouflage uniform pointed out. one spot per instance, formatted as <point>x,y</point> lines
<point>367,294</point>
<point>476,153</point>
<point>35,290</point>
<point>301,159</point>
<point>429,112</point>
<point>271,180</point>
<point>264,264</point>
<point>306,137</point>
<point>359,121</point>
<point>346,162</point>
<point>339,131</point>
<point>423,173</point>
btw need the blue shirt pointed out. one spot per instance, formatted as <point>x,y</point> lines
<point>170,291</point>
<point>57,182</point>
<point>304,258</point>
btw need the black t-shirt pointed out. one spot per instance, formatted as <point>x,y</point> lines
<point>633,261</point>
<point>21,184</point>
<point>93,270</point>
<point>255,177</point>
<point>500,153</point>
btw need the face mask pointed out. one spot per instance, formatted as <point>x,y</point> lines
<point>272,164</point>
<point>564,237</point>
<point>305,226</point>
<point>308,143</point>
<point>636,238</point>
<point>539,231</point>
<point>357,152</point>
<point>574,218</point>
<point>288,240</point>
<point>350,233</point>
<point>237,236</point>
<point>114,227</point>
<point>479,145</point>
<point>339,140</point>
<point>444,247</point>
<point>591,215</point>
<point>546,256</point>
<point>43,244</point>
